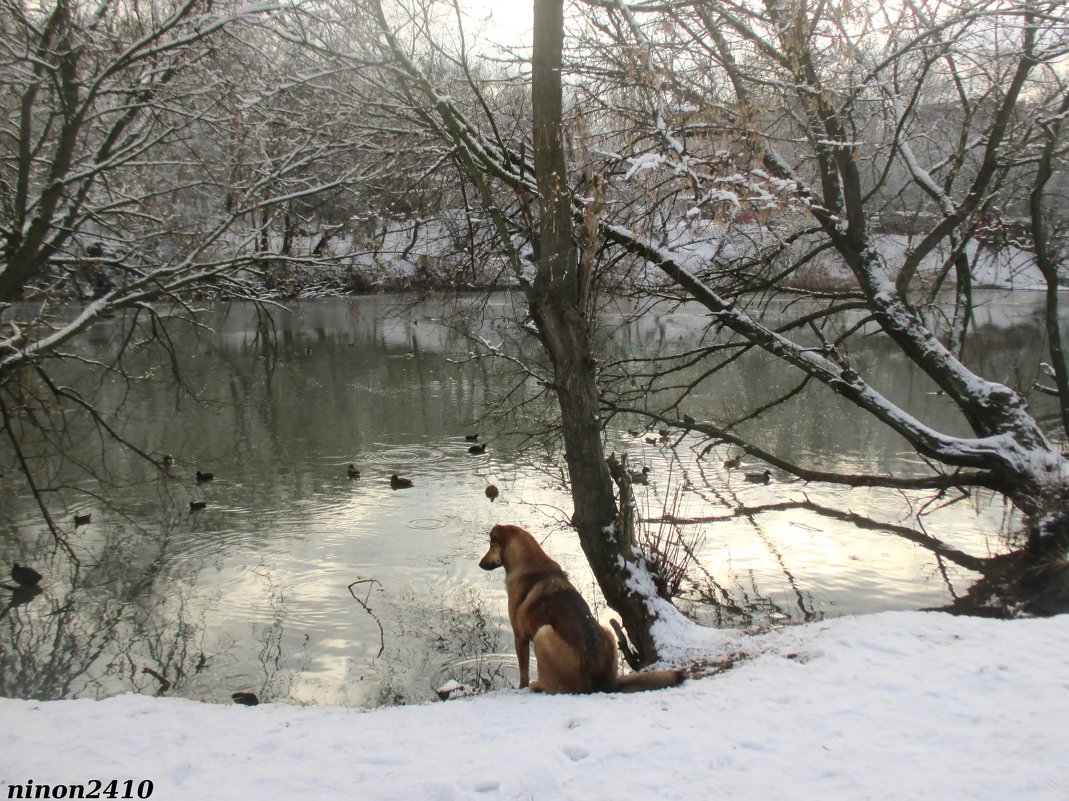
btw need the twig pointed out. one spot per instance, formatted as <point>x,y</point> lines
<point>371,583</point>
<point>165,683</point>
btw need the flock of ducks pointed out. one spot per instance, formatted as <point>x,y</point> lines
<point>637,476</point>
<point>85,518</point>
<point>28,579</point>
<point>399,482</point>
<point>732,463</point>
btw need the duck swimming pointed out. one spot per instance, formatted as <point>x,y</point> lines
<point>760,478</point>
<point>25,576</point>
<point>399,482</point>
<point>640,477</point>
<point>353,471</point>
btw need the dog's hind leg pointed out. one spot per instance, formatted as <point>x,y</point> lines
<point>558,664</point>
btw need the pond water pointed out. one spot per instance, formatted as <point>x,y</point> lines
<point>303,585</point>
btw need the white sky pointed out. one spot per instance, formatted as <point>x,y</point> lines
<point>507,22</point>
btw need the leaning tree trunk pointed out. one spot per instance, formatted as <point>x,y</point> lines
<point>554,299</point>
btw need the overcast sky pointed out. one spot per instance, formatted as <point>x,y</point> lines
<point>506,21</point>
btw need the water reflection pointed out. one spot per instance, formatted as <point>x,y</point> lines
<point>251,593</point>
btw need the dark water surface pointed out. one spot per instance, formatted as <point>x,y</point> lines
<point>252,593</point>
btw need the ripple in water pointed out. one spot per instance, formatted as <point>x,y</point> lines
<point>482,673</point>
<point>425,523</point>
<point>389,457</point>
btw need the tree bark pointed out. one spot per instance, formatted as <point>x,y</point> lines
<point>554,300</point>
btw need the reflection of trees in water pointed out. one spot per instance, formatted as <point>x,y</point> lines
<point>740,605</point>
<point>277,679</point>
<point>445,633</point>
<point>708,599</point>
<point>113,619</point>
<point>1008,585</point>
<point>47,651</point>
<point>741,602</point>
<point>123,600</point>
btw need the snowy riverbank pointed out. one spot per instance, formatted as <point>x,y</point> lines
<point>890,706</point>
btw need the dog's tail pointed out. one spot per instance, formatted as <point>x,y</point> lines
<point>650,680</point>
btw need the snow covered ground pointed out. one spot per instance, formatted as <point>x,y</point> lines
<point>902,705</point>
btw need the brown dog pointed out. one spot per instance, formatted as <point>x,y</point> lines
<point>575,653</point>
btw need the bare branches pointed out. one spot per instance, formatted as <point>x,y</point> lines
<point>1048,233</point>
<point>823,162</point>
<point>931,544</point>
<point>151,158</point>
<point>840,111</point>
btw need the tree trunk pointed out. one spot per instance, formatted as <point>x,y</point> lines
<point>554,299</point>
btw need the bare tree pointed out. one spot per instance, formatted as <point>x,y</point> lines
<point>831,110</point>
<point>856,162</point>
<point>533,221</point>
<point>557,297</point>
<point>151,154</point>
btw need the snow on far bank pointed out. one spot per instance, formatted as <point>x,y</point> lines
<point>903,705</point>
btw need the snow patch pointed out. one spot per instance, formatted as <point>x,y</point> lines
<point>838,708</point>
<point>647,161</point>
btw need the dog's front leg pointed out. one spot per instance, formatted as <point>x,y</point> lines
<point>523,654</point>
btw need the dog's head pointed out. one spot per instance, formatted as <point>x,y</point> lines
<point>500,537</point>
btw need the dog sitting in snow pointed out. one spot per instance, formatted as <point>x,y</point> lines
<point>575,653</point>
